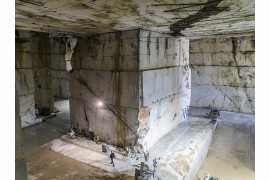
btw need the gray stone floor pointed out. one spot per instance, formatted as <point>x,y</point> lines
<point>232,151</point>
<point>42,133</point>
<point>231,155</point>
<point>44,164</point>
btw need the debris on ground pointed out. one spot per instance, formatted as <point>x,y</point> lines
<point>213,114</point>
<point>209,177</point>
<point>145,173</point>
<point>96,139</point>
<point>72,134</point>
<point>105,148</point>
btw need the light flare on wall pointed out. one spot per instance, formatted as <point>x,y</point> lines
<point>100,104</point>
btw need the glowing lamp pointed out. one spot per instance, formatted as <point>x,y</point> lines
<point>100,104</point>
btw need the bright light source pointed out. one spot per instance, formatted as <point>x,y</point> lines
<point>100,104</point>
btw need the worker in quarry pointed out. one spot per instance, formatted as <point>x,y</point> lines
<point>112,156</point>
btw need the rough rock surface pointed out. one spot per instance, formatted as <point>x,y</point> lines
<point>94,17</point>
<point>165,87</point>
<point>32,74</point>
<point>41,59</point>
<point>60,83</point>
<point>180,153</point>
<point>24,78</point>
<point>105,68</point>
<point>127,71</point>
<point>223,73</point>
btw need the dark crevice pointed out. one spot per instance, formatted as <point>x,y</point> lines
<point>84,109</point>
<point>210,8</point>
<point>234,50</point>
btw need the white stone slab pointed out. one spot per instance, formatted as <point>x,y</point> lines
<point>27,110</point>
<point>161,83</point>
<point>181,152</point>
<point>225,97</point>
<point>90,153</point>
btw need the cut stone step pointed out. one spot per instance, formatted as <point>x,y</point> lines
<point>181,152</point>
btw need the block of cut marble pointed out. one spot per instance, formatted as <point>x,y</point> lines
<point>146,74</point>
<point>27,110</point>
<point>23,60</point>
<point>40,60</point>
<point>24,81</point>
<point>58,62</point>
<point>180,153</point>
<point>44,98</point>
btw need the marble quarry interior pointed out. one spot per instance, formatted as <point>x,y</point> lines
<point>127,77</point>
<point>223,73</point>
<point>136,76</point>
<point>33,74</point>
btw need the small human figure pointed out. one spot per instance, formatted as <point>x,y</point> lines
<point>112,156</point>
<point>36,111</point>
<point>155,163</point>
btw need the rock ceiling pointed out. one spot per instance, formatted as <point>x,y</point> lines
<point>181,18</point>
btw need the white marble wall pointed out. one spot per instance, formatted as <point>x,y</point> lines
<point>165,87</point>
<point>130,71</point>
<point>24,78</point>
<point>223,73</point>
<point>105,67</point>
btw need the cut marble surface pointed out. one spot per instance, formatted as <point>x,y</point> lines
<point>181,152</point>
<point>89,152</point>
<point>223,73</point>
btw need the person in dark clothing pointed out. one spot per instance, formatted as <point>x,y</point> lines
<point>112,156</point>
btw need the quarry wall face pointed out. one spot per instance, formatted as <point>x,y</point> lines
<point>223,73</point>
<point>60,82</point>
<point>105,68</point>
<point>143,79</point>
<point>165,85</point>
<point>32,74</point>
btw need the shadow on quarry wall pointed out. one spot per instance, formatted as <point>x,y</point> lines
<point>210,8</point>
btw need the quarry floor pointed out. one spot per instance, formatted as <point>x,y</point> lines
<point>231,155</point>
<point>232,152</point>
<point>42,163</point>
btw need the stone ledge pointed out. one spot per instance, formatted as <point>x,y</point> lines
<point>181,152</point>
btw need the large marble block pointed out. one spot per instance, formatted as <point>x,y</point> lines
<point>24,81</point>
<point>27,110</point>
<point>166,99</point>
<point>129,72</point>
<point>58,62</point>
<point>23,60</point>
